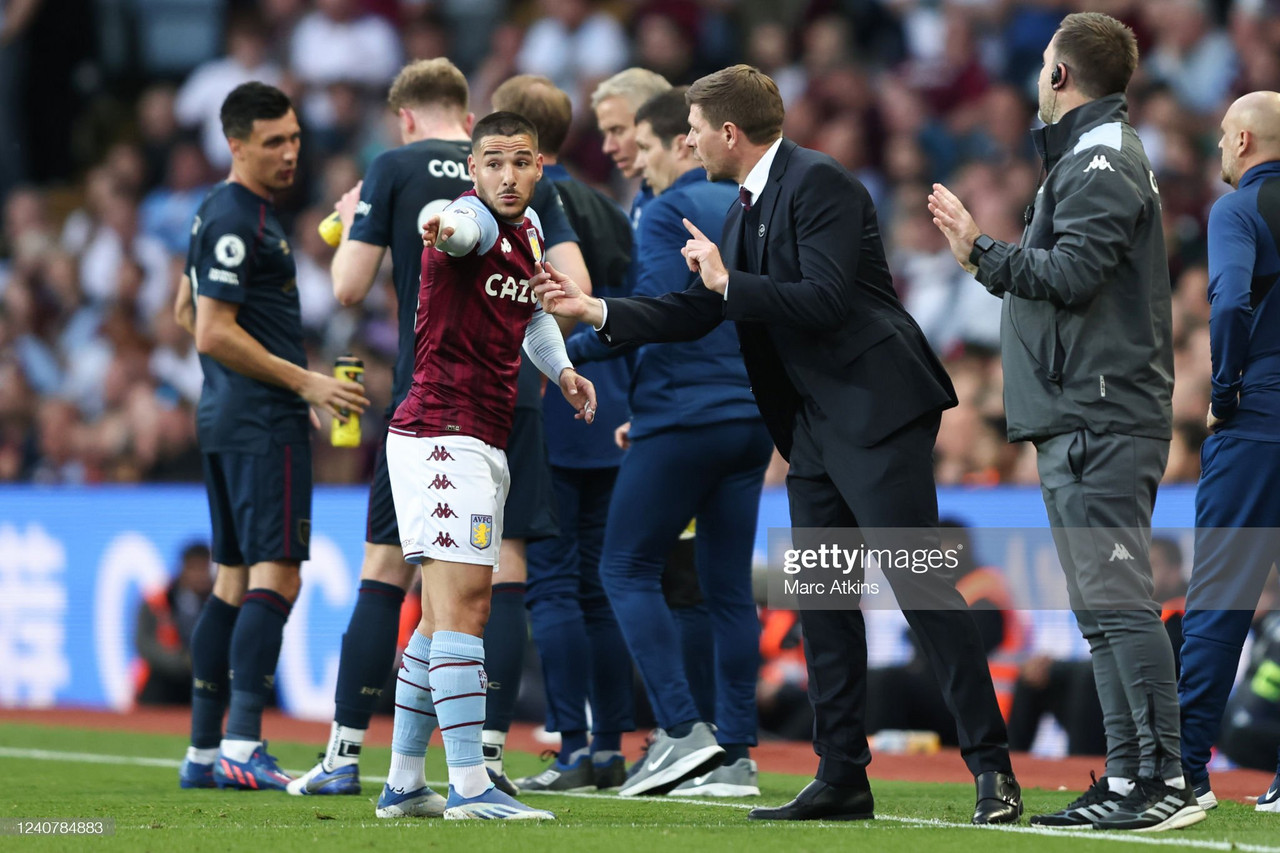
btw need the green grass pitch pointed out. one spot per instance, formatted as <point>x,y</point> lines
<point>132,779</point>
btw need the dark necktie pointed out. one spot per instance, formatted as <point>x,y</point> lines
<point>744,198</point>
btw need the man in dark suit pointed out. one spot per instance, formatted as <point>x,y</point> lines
<point>852,396</point>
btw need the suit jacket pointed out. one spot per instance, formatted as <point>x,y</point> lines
<point>815,308</point>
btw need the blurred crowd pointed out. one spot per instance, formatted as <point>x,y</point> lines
<point>115,139</point>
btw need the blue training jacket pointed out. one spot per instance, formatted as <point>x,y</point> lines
<point>691,383</point>
<point>1244,320</point>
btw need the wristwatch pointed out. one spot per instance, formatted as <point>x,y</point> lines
<point>981,246</point>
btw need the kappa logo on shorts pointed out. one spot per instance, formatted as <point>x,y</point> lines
<point>481,531</point>
<point>444,540</point>
<point>443,511</point>
<point>304,531</point>
<point>440,453</point>
<point>441,482</point>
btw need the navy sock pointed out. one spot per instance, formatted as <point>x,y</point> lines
<point>606,742</point>
<point>571,742</point>
<point>210,666</point>
<point>368,653</point>
<point>682,729</point>
<point>504,642</point>
<point>255,651</point>
<point>734,751</point>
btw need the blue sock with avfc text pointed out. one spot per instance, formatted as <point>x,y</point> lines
<point>368,654</point>
<point>210,674</point>
<point>458,687</point>
<point>255,651</point>
<point>415,718</point>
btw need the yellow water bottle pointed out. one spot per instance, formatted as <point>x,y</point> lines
<point>347,434</point>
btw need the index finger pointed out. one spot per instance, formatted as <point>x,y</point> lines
<point>693,229</point>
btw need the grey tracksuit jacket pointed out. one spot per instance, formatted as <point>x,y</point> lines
<point>1086,324</point>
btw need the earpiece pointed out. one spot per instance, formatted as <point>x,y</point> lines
<point>1055,76</point>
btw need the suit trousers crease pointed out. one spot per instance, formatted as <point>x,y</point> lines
<point>833,483</point>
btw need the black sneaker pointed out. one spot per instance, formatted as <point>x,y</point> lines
<point>1153,806</point>
<point>1093,805</point>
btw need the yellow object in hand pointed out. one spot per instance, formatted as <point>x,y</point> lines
<point>331,229</point>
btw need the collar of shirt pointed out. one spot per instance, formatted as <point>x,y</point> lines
<point>556,172</point>
<point>759,174</point>
<point>1257,173</point>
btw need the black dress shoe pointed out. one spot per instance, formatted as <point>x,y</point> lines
<point>820,801</point>
<point>999,798</point>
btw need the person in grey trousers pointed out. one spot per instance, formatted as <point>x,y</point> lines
<point>1088,378</point>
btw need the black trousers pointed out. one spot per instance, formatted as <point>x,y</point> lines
<point>833,483</point>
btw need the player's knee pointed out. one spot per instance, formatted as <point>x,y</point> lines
<point>385,564</point>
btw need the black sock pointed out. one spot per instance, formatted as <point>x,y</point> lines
<point>368,653</point>
<point>504,642</point>
<point>735,751</point>
<point>255,651</point>
<point>210,665</point>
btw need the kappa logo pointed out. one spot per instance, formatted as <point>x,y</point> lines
<point>444,540</point>
<point>440,454</point>
<point>442,482</point>
<point>1120,553</point>
<point>1100,163</point>
<point>506,245</point>
<point>443,511</point>
<point>481,531</point>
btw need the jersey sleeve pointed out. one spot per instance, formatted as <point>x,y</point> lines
<point>372,223</point>
<point>221,263</point>
<point>469,205</point>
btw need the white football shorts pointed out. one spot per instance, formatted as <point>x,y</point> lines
<point>449,492</point>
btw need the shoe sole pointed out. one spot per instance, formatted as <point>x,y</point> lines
<point>1207,801</point>
<point>392,812</point>
<point>463,813</point>
<point>751,815</point>
<point>696,763</point>
<point>1181,819</point>
<point>1273,806</point>
<point>719,789</point>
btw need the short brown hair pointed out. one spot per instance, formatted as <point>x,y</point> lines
<point>667,114</point>
<point>1100,51</point>
<point>429,82</point>
<point>545,106</point>
<point>742,95</point>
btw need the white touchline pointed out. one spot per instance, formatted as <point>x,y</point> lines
<point>915,822</point>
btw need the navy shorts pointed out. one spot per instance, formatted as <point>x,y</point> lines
<point>530,513</point>
<point>380,521</point>
<point>260,504</point>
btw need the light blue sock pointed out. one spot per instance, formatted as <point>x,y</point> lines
<point>415,718</point>
<point>458,684</point>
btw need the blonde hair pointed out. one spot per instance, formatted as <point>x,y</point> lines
<point>429,82</point>
<point>635,85</point>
